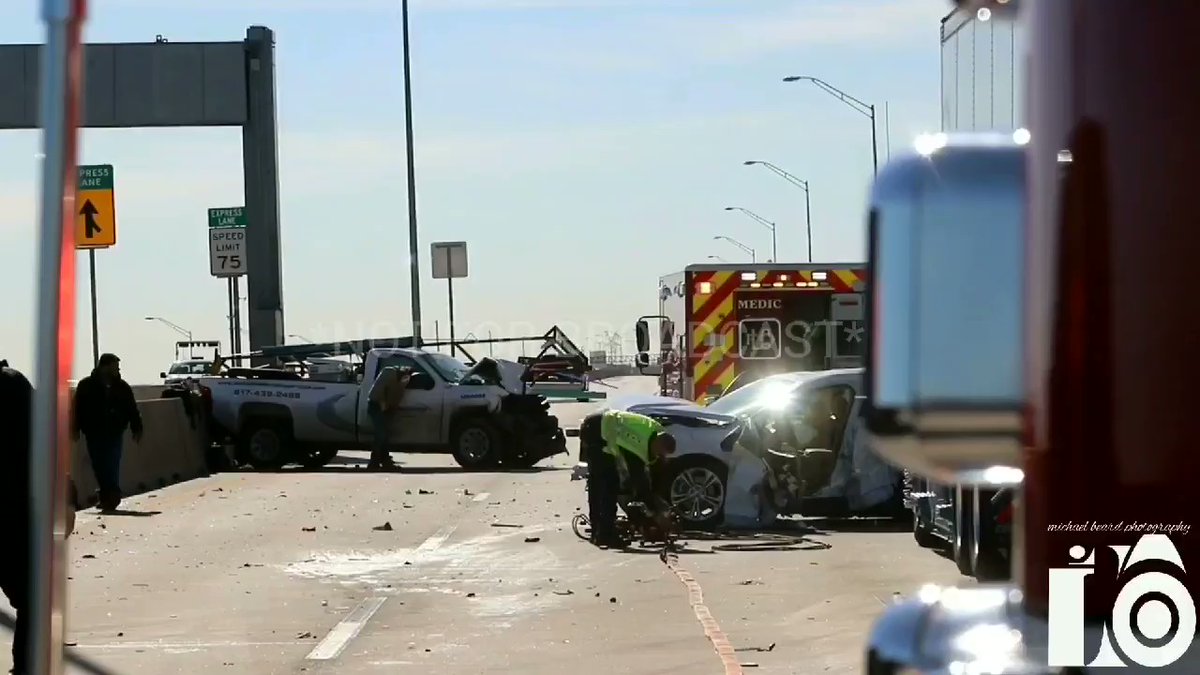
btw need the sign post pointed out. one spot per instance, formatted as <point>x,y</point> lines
<point>227,260</point>
<point>95,227</point>
<point>449,263</point>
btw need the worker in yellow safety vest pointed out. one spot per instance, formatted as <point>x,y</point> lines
<point>622,449</point>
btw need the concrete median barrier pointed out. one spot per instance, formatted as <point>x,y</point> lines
<point>141,392</point>
<point>171,451</point>
<point>147,392</point>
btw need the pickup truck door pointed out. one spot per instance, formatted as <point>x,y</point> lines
<point>418,420</point>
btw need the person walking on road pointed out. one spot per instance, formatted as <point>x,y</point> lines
<point>382,403</point>
<point>16,409</point>
<point>104,408</point>
<point>623,448</point>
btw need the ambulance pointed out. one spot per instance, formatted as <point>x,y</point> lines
<point>723,325</point>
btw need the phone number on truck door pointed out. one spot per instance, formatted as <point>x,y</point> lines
<point>266,393</point>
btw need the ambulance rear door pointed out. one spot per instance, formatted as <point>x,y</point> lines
<point>849,331</point>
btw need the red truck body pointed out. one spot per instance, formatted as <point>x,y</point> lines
<point>1111,243</point>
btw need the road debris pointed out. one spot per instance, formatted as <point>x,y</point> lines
<point>566,592</point>
<point>306,635</point>
<point>386,527</point>
<point>532,540</point>
<point>470,595</point>
<point>423,491</point>
<point>750,582</point>
<point>505,525</point>
<point>768,648</point>
<point>308,529</point>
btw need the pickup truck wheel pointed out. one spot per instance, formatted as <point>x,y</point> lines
<point>315,458</point>
<point>475,444</point>
<point>265,445</point>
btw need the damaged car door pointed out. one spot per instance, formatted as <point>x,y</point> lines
<point>802,445</point>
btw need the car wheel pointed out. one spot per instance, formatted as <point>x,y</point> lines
<point>695,489</point>
<point>964,534</point>
<point>475,444</point>
<point>266,445</point>
<point>315,458</point>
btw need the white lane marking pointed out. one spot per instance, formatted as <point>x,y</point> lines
<point>481,496</point>
<point>340,635</point>
<point>346,630</point>
<point>435,540</point>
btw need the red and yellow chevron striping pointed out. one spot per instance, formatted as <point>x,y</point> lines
<point>713,321</point>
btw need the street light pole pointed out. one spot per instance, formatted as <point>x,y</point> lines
<point>413,266</point>
<point>178,329</point>
<point>803,185</point>
<point>173,326</point>
<point>735,242</point>
<point>874,143</point>
<point>862,108</point>
<point>766,223</point>
<point>808,219</point>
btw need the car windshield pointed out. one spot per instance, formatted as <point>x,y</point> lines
<point>765,393</point>
<point>449,367</point>
<point>190,368</point>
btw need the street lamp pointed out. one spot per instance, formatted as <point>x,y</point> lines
<point>862,108</point>
<point>173,326</point>
<point>749,251</point>
<point>803,185</point>
<point>300,337</point>
<point>717,258</point>
<point>178,329</point>
<point>766,223</point>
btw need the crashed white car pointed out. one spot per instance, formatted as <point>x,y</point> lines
<point>789,444</point>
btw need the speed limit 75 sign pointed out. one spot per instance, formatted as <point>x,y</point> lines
<point>227,242</point>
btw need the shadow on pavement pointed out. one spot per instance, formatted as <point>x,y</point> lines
<point>657,550</point>
<point>127,512</point>
<point>78,663</point>
<point>821,526</point>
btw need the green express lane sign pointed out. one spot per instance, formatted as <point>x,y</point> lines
<point>227,242</point>
<point>231,217</point>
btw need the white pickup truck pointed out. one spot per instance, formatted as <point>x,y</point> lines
<point>479,414</point>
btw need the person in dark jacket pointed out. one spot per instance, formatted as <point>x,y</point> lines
<point>104,408</point>
<point>16,410</point>
<point>16,406</point>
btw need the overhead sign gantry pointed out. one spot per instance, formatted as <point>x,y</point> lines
<point>182,84</point>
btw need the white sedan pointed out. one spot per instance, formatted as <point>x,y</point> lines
<point>783,445</point>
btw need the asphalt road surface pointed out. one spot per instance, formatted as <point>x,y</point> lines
<point>437,569</point>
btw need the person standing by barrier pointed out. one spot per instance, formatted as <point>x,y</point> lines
<point>16,410</point>
<point>382,403</point>
<point>104,408</point>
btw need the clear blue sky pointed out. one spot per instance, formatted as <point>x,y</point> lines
<point>583,147</point>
